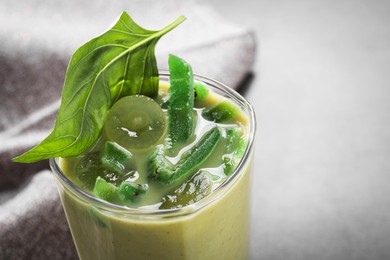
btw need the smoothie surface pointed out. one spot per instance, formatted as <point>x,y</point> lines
<point>200,181</point>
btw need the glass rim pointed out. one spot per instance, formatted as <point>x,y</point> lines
<point>190,209</point>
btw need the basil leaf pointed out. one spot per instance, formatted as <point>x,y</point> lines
<point>120,62</point>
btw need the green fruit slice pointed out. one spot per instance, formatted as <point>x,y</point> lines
<point>135,122</point>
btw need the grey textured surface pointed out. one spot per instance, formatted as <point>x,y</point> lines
<point>33,225</point>
<point>321,186</point>
<point>37,39</point>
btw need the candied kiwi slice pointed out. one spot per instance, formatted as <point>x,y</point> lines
<point>181,101</point>
<point>105,190</point>
<point>135,122</point>
<point>116,158</point>
<point>131,192</point>
<point>223,112</point>
<point>191,191</point>
<point>201,91</point>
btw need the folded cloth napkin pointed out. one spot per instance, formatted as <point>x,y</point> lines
<point>37,39</point>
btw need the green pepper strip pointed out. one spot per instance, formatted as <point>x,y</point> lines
<point>197,154</point>
<point>161,170</point>
<point>181,101</point>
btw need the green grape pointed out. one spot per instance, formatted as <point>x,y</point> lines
<point>135,122</point>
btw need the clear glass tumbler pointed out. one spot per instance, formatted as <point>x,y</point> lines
<point>216,227</point>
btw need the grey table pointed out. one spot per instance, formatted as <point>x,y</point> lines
<point>321,90</point>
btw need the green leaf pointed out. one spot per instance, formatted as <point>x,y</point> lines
<point>118,63</point>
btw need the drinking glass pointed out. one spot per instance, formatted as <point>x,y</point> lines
<point>216,227</point>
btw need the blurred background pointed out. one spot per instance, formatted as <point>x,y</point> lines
<point>321,90</point>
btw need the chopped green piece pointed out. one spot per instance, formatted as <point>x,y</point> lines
<point>230,165</point>
<point>181,101</point>
<point>115,157</point>
<point>233,159</point>
<point>135,122</point>
<point>89,168</point>
<point>223,112</point>
<point>159,168</point>
<point>200,91</point>
<point>131,192</point>
<point>105,190</point>
<point>191,191</point>
<point>197,154</point>
<point>233,135</point>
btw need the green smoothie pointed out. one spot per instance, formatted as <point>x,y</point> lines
<point>215,227</point>
<point>149,164</point>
